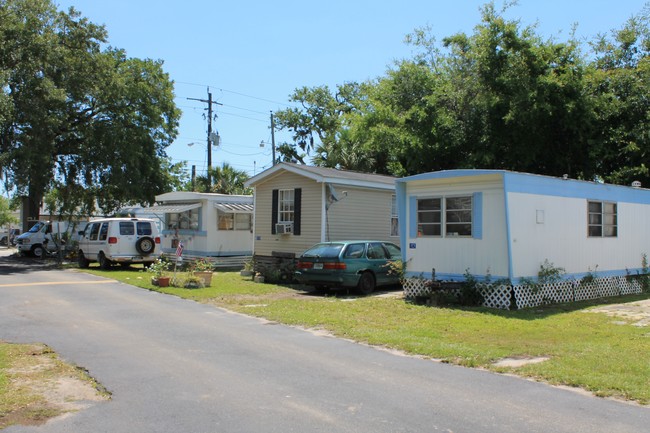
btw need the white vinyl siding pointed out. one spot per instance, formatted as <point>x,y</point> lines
<point>562,239</point>
<point>454,255</point>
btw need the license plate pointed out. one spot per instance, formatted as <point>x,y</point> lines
<point>318,266</point>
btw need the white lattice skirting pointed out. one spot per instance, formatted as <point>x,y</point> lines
<point>526,296</point>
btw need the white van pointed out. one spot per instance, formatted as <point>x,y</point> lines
<point>119,240</point>
<point>42,233</point>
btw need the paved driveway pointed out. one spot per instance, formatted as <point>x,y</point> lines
<point>177,366</point>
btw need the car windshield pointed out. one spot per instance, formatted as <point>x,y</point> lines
<point>324,251</point>
<point>36,228</point>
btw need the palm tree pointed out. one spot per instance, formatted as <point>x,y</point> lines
<point>225,180</point>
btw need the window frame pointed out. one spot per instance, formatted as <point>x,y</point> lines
<point>230,223</point>
<point>394,219</point>
<point>604,229</point>
<point>286,205</point>
<point>434,223</point>
<point>441,217</point>
<point>186,220</point>
<point>463,210</point>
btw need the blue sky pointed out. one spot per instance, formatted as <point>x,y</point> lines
<point>253,54</point>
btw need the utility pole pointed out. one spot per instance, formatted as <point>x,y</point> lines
<point>272,138</point>
<point>209,102</point>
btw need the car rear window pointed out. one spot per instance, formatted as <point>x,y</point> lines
<point>324,251</point>
<point>354,251</point>
<point>144,228</point>
<point>126,228</point>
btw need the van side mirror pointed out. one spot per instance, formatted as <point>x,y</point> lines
<point>48,229</point>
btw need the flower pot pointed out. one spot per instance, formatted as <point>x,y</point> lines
<point>259,278</point>
<point>163,281</point>
<point>245,273</point>
<point>206,276</point>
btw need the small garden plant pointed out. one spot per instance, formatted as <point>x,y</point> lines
<point>201,265</point>
<point>160,267</point>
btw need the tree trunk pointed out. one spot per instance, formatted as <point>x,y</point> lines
<point>31,208</point>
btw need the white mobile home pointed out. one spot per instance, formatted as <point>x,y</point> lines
<point>208,225</point>
<point>506,225</point>
<point>297,206</point>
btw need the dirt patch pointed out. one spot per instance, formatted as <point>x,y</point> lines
<point>638,313</point>
<point>44,387</point>
<point>519,362</point>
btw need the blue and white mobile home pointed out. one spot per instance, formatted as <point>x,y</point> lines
<point>508,224</point>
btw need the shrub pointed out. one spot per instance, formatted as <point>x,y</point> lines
<point>159,267</point>
<point>470,293</point>
<point>201,265</point>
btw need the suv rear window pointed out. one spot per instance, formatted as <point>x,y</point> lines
<point>324,250</point>
<point>126,228</point>
<point>144,228</point>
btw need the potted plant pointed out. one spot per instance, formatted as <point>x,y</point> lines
<point>202,268</point>
<point>248,269</point>
<point>259,278</point>
<point>159,269</point>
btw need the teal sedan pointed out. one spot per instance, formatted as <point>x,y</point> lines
<point>346,264</point>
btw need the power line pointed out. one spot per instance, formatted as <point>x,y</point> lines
<point>235,93</point>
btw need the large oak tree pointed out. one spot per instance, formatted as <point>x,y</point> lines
<point>76,117</point>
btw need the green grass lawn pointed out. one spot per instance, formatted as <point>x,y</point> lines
<point>604,355</point>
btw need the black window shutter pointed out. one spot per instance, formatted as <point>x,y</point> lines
<point>274,211</point>
<point>297,202</point>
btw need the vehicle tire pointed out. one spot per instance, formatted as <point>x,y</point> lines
<point>4,241</point>
<point>145,245</point>
<point>38,251</point>
<point>104,263</point>
<point>321,289</point>
<point>82,261</point>
<point>366,283</point>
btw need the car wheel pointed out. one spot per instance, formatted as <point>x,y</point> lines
<point>145,245</point>
<point>319,288</point>
<point>82,261</point>
<point>38,251</point>
<point>4,241</point>
<point>366,283</point>
<point>104,263</point>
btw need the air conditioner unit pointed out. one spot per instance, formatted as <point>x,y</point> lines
<point>284,228</point>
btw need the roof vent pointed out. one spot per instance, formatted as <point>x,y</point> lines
<point>565,176</point>
<point>636,184</point>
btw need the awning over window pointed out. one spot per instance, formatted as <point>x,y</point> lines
<point>171,208</point>
<point>234,207</point>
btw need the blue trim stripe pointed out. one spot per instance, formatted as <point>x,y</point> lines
<point>172,251</point>
<point>506,209</point>
<point>571,188</point>
<point>400,198</point>
<point>547,185</point>
<point>447,174</point>
<point>185,232</point>
<point>413,217</point>
<point>477,215</point>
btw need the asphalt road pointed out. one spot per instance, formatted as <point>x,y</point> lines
<point>179,366</point>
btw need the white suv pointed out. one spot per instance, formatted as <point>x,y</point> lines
<point>119,240</point>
